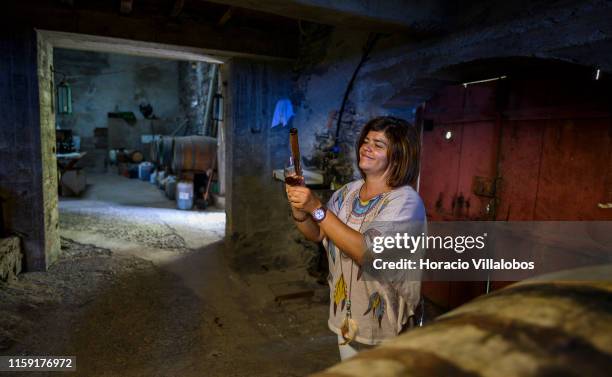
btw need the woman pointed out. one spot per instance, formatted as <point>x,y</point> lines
<point>364,312</point>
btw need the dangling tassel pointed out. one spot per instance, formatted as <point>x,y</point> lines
<point>349,330</point>
<point>349,326</point>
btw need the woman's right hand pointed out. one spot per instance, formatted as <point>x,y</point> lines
<point>298,180</point>
<point>297,212</point>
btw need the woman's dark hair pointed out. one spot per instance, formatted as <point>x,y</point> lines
<point>403,152</point>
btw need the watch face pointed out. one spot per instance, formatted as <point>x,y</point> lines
<point>318,214</point>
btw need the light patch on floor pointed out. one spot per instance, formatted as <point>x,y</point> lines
<point>126,215</point>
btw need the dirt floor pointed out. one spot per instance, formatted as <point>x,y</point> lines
<point>143,289</point>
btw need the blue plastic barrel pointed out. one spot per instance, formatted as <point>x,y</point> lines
<point>144,171</point>
<point>184,195</point>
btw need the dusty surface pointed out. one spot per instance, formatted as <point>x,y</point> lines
<point>143,291</point>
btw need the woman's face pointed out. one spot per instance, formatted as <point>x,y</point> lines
<point>373,153</point>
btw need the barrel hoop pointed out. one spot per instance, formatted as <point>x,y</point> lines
<point>565,349</point>
<point>588,297</point>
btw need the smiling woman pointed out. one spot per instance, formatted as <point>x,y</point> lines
<point>364,312</point>
<point>388,139</point>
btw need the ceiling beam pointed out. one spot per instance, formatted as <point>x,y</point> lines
<point>127,47</point>
<point>389,15</point>
<point>158,29</point>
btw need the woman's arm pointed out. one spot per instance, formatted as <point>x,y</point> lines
<point>350,241</point>
<point>303,221</point>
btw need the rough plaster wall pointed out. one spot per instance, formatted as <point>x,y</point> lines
<point>20,142</point>
<point>579,32</point>
<point>256,200</point>
<point>259,225</point>
<point>103,83</point>
<point>10,258</point>
<point>49,163</point>
<point>322,87</point>
<point>319,91</point>
<point>401,74</point>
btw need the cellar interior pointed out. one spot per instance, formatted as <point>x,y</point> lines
<point>145,227</point>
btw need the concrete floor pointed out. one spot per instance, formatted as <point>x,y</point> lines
<point>144,289</point>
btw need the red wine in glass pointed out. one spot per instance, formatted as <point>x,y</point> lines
<point>291,177</point>
<point>294,180</point>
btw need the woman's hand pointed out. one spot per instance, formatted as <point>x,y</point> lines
<point>295,211</point>
<point>302,198</point>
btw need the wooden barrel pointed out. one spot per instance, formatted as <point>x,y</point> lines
<point>534,328</point>
<point>194,153</point>
<point>136,157</point>
<point>166,151</point>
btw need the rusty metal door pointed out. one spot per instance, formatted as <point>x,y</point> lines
<point>458,169</point>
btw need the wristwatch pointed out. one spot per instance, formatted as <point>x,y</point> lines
<point>318,214</point>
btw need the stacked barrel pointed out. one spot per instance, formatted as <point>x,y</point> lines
<point>537,328</point>
<point>180,160</point>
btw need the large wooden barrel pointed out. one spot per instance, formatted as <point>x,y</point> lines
<point>194,153</point>
<point>560,327</point>
<point>166,151</point>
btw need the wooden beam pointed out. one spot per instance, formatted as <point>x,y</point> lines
<point>382,16</point>
<point>122,46</point>
<point>156,29</point>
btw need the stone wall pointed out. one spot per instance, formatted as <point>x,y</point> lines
<point>318,94</point>
<point>10,258</point>
<point>576,32</point>
<point>103,83</point>
<point>403,72</point>
<point>399,75</point>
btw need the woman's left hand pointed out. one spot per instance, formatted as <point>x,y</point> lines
<point>302,198</point>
